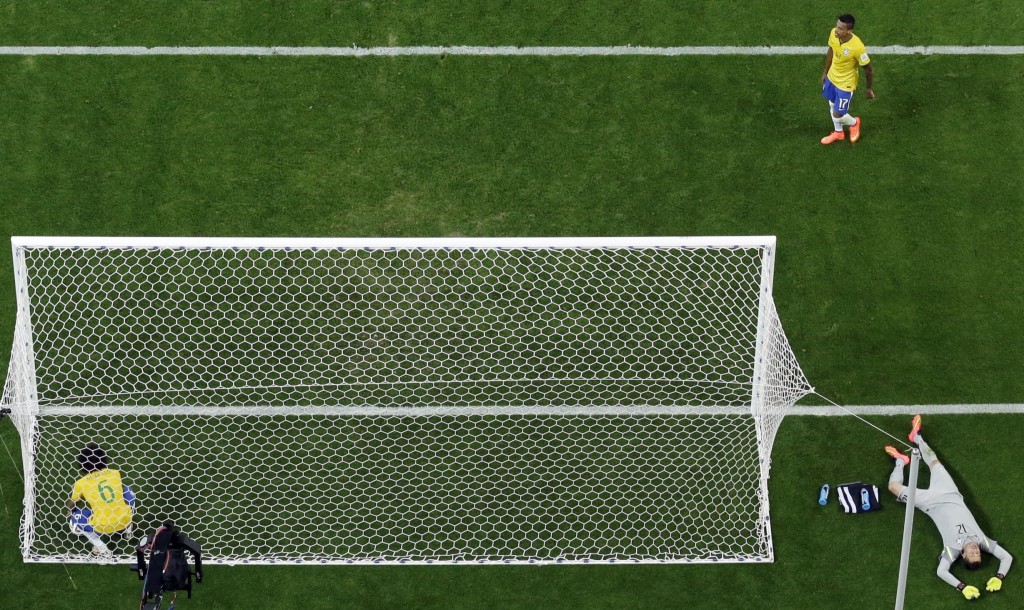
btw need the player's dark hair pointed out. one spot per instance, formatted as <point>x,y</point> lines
<point>848,19</point>
<point>972,565</point>
<point>92,458</point>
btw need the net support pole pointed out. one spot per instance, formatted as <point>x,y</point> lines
<point>908,526</point>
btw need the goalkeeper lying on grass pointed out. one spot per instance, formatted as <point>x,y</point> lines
<point>961,536</point>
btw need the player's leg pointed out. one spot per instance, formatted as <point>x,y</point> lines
<point>842,109</point>
<point>896,478</point>
<point>853,122</point>
<point>839,107</point>
<point>941,479</point>
<point>837,123</point>
<point>80,525</point>
<point>915,428</point>
<point>927,454</point>
<point>846,119</point>
<point>830,93</point>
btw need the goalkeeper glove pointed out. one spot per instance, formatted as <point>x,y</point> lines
<point>969,591</point>
<point>994,584</point>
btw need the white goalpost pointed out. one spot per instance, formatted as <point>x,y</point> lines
<point>407,401</point>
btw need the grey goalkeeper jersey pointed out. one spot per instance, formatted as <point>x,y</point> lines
<point>953,519</point>
<point>957,526</point>
<point>944,504</point>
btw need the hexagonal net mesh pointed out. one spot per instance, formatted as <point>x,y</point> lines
<point>406,401</point>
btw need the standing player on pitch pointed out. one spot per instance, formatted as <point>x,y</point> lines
<point>839,80</point>
<point>942,501</point>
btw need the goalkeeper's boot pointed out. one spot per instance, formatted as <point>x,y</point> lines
<point>915,428</point>
<point>835,136</point>
<point>855,130</point>
<point>895,454</point>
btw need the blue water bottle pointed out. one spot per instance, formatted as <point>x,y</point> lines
<point>823,495</point>
<point>865,500</point>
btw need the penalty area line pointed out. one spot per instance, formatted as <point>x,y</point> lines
<point>484,51</point>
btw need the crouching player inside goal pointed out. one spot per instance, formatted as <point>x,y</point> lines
<point>111,503</point>
<point>942,501</point>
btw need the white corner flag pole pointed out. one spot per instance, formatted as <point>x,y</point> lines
<point>908,526</point>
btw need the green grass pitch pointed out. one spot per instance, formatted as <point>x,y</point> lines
<point>898,277</point>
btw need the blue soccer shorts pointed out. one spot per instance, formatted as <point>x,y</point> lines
<point>80,521</point>
<point>840,99</point>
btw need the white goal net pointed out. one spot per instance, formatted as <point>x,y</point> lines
<point>531,400</point>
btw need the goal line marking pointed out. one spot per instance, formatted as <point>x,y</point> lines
<point>951,409</point>
<point>540,51</point>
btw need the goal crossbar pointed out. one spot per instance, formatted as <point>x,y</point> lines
<point>271,243</point>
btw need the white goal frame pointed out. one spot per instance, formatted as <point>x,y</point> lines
<point>776,383</point>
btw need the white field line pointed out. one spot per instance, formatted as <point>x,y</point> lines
<point>354,51</point>
<point>975,409</point>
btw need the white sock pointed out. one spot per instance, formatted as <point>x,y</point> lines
<point>97,543</point>
<point>848,120</point>
<point>835,121</point>
<point>897,473</point>
<point>926,452</point>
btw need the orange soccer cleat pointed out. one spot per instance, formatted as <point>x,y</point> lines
<point>855,130</point>
<point>896,455</point>
<point>833,137</point>
<point>915,428</point>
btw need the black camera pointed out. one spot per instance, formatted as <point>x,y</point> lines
<point>167,569</point>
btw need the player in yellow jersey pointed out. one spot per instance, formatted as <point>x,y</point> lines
<point>845,54</point>
<point>110,502</point>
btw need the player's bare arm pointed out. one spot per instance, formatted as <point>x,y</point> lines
<point>869,79</point>
<point>828,64</point>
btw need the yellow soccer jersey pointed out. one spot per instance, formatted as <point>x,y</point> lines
<point>103,491</point>
<point>846,57</point>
